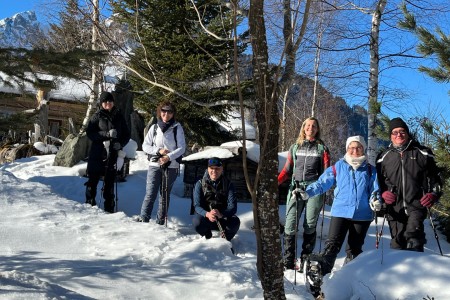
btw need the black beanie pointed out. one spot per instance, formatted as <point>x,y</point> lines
<point>398,123</point>
<point>106,96</point>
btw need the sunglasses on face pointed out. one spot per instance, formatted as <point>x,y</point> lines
<point>167,111</point>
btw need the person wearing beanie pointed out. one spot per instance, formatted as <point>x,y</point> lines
<point>109,133</point>
<point>410,184</point>
<point>306,161</point>
<point>215,203</point>
<point>355,201</point>
<point>164,144</point>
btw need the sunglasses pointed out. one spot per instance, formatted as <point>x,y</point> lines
<point>167,111</point>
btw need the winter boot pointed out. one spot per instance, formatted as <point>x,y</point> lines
<point>91,192</point>
<point>414,244</point>
<point>313,274</point>
<point>289,252</point>
<point>309,242</point>
<point>328,257</point>
<point>348,258</point>
<point>109,206</point>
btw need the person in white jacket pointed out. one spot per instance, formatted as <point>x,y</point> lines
<point>165,144</point>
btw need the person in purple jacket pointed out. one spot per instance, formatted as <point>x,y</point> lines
<point>355,200</point>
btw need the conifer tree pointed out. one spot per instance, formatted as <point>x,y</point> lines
<point>187,49</point>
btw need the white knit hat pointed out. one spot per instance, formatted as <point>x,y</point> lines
<point>356,138</point>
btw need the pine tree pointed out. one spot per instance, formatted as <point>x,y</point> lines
<point>437,46</point>
<point>23,65</point>
<point>176,51</point>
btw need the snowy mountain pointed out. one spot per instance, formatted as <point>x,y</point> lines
<point>19,30</point>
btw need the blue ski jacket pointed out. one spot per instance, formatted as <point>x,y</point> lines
<point>354,189</point>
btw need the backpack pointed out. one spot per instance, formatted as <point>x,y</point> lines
<point>225,183</point>
<point>155,127</point>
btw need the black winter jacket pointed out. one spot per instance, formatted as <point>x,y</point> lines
<point>99,125</point>
<point>410,173</point>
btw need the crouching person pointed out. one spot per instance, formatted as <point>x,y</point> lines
<point>215,203</point>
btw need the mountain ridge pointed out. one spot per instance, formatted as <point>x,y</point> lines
<point>20,30</point>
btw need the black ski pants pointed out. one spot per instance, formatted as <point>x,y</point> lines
<point>107,190</point>
<point>407,230</point>
<point>339,227</point>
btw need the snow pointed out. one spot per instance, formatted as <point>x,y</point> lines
<point>53,246</point>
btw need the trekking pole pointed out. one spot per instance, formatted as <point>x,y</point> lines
<point>376,230</point>
<point>297,196</point>
<point>222,232</point>
<point>434,229</point>
<point>117,194</point>
<point>166,181</point>
<point>321,225</point>
<point>379,236</point>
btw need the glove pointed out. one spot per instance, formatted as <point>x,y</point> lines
<point>303,194</point>
<point>112,134</point>
<point>375,205</point>
<point>429,199</point>
<point>117,146</point>
<point>389,197</point>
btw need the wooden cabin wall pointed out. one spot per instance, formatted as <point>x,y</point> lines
<point>194,170</point>
<point>58,115</point>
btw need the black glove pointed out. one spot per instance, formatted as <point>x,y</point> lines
<point>112,134</point>
<point>117,146</point>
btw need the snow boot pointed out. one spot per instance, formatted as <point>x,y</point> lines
<point>91,192</point>
<point>289,252</point>
<point>309,242</point>
<point>313,275</point>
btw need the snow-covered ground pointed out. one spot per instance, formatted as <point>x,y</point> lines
<point>53,246</point>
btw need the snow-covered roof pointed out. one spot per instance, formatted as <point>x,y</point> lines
<point>226,150</point>
<point>65,88</point>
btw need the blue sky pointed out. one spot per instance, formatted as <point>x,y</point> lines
<point>10,7</point>
<point>426,94</point>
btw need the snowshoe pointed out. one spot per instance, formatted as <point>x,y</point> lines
<point>313,277</point>
<point>303,260</point>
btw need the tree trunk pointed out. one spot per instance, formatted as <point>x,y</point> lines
<point>95,68</point>
<point>265,206</point>
<point>373,104</point>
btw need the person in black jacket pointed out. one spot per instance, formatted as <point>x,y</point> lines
<point>215,203</point>
<point>109,133</point>
<point>409,185</point>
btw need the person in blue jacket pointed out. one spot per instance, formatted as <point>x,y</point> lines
<point>355,199</point>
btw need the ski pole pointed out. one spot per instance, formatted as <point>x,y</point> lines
<point>296,197</point>
<point>321,225</point>
<point>379,234</point>
<point>166,174</point>
<point>117,194</point>
<point>434,229</point>
<point>222,232</point>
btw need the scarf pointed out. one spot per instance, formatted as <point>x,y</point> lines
<point>165,126</point>
<point>355,162</point>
